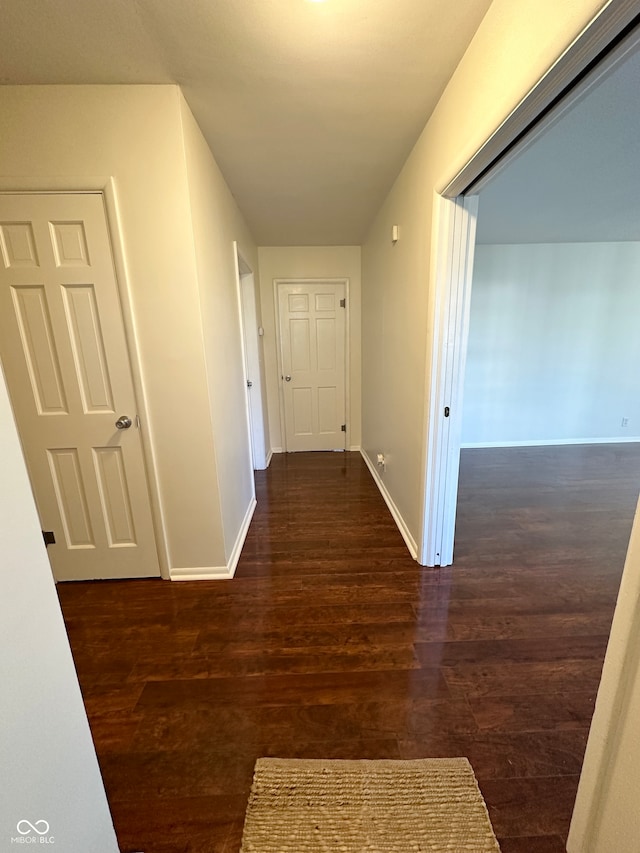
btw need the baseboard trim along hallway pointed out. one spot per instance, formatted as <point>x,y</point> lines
<point>393,509</point>
<point>207,573</point>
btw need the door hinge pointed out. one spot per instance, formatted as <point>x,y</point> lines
<point>343,427</point>
<point>343,303</point>
<point>446,411</point>
<point>49,538</point>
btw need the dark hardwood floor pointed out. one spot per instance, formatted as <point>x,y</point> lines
<point>332,642</point>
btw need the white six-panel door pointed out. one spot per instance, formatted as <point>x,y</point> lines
<point>312,321</point>
<point>65,358</point>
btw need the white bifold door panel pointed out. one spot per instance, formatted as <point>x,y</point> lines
<point>313,360</point>
<point>67,366</point>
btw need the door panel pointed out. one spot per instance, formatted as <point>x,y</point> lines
<point>114,496</point>
<point>327,410</point>
<point>69,240</point>
<point>302,411</point>
<point>300,344</point>
<point>18,245</point>
<point>39,349</point>
<point>313,353</point>
<point>87,347</point>
<point>65,357</point>
<point>326,344</point>
<point>68,485</point>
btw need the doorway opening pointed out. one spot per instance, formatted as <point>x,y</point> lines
<point>455,217</point>
<point>253,361</point>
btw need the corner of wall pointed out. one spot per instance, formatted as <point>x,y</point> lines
<point>226,572</point>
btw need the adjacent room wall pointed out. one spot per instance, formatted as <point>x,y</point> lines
<point>217,222</point>
<point>49,768</point>
<point>553,344</point>
<point>514,46</point>
<point>310,262</point>
<point>61,137</point>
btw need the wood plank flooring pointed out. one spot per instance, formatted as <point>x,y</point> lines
<point>332,642</point>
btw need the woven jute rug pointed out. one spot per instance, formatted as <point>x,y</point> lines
<point>433,804</point>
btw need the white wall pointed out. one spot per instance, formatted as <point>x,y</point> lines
<point>514,46</point>
<point>217,222</point>
<point>49,767</point>
<point>553,344</point>
<point>310,262</point>
<point>606,816</point>
<point>64,137</point>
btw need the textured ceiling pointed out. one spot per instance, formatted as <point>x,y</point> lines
<point>580,181</point>
<point>310,108</point>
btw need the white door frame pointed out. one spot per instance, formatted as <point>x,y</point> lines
<point>347,349</point>
<point>454,239</point>
<point>454,232</point>
<point>250,362</point>
<point>106,186</point>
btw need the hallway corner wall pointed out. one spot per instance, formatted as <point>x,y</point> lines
<point>217,223</point>
<point>55,137</point>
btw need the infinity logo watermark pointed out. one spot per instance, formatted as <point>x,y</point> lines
<point>41,827</point>
<point>33,833</point>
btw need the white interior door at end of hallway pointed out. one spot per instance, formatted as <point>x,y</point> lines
<point>65,357</point>
<point>312,328</point>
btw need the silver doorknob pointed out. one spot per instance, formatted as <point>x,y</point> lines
<point>287,378</point>
<point>123,422</point>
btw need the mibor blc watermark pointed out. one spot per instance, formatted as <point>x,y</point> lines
<point>33,833</point>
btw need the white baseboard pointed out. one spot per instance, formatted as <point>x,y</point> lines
<point>200,573</point>
<point>242,535</point>
<point>393,509</point>
<point>268,459</point>
<point>548,442</point>
<point>356,448</point>
<point>208,573</point>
